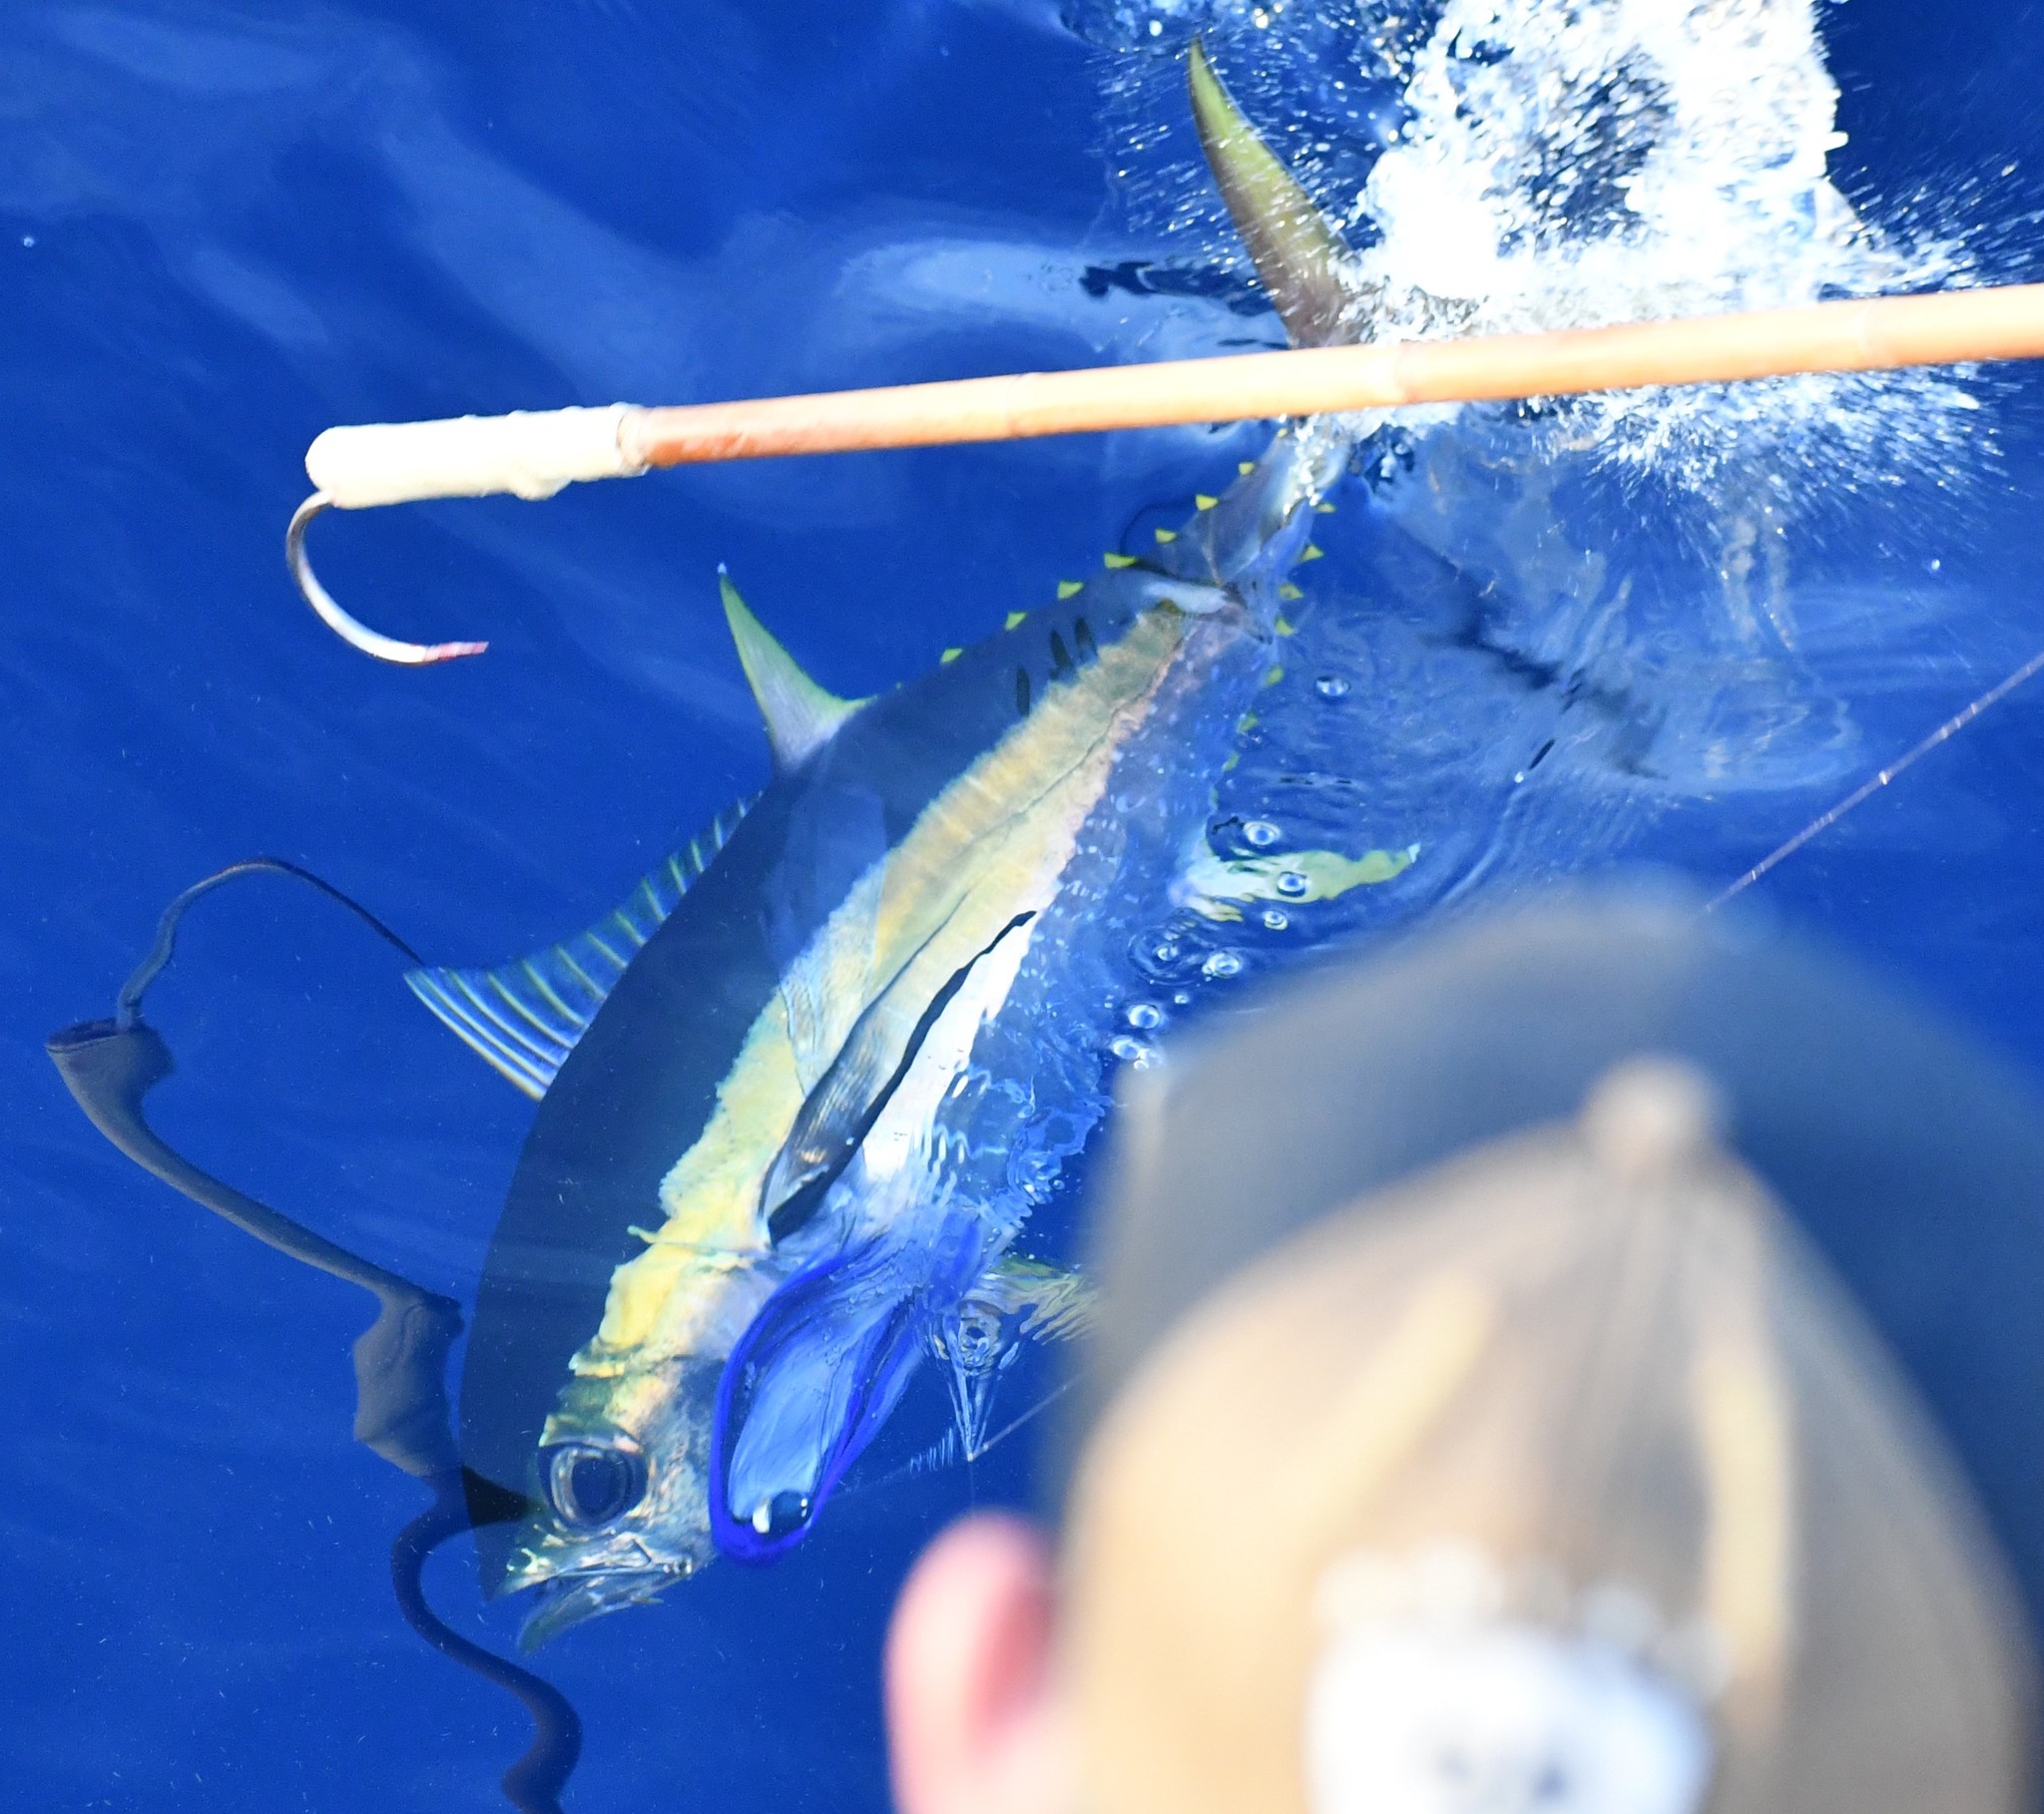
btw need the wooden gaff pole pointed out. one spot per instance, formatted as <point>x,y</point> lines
<point>534,455</point>
<point>1951,328</point>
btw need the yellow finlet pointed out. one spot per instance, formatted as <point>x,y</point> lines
<point>1244,467</point>
<point>1070,588</point>
<point>1203,500</point>
<point>1211,885</point>
<point>1273,676</point>
<point>1119,560</point>
<point>1165,535</point>
<point>1288,592</point>
<point>1287,628</point>
<point>1014,617</point>
<point>1324,508</point>
<point>949,656</point>
<point>1311,553</point>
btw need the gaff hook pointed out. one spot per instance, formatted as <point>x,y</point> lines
<point>352,632</point>
<point>528,454</point>
<point>533,454</point>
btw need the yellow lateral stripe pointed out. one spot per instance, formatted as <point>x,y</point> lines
<point>997,835</point>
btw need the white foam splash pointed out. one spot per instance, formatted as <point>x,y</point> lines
<point>1569,165</point>
<point>1575,162</point>
<point>1616,160</point>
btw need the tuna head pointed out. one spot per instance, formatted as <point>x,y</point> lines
<point>619,1500</point>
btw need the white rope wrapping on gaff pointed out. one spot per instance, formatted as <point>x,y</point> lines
<point>529,453</point>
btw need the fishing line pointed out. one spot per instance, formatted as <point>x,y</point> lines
<point>1008,1429</point>
<point>533,1783</point>
<point>129,1004</point>
<point>948,1450</point>
<point>400,1360</point>
<point>1867,789</point>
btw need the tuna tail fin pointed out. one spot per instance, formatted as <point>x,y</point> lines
<point>1300,257</point>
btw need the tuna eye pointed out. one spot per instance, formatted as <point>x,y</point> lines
<point>590,1486</point>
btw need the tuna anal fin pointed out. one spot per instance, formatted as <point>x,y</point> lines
<point>523,1018</point>
<point>1300,258</point>
<point>800,716</point>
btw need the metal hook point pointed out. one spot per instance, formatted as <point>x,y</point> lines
<point>355,635</point>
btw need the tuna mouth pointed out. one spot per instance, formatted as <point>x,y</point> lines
<point>568,1601</point>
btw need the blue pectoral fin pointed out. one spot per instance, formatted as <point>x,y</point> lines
<point>808,1387</point>
<point>523,1018</point>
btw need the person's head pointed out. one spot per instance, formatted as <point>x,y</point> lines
<point>1468,1430</point>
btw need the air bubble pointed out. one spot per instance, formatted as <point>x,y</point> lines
<point>1276,919</point>
<point>1332,687</point>
<point>1144,1015</point>
<point>1222,964</point>
<point>1261,833</point>
<point>1292,885</point>
<point>1134,1052</point>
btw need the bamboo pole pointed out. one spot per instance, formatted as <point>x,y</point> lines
<point>1951,328</point>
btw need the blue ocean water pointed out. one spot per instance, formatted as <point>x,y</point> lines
<point>226,226</point>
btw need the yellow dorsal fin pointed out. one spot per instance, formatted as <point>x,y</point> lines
<point>800,716</point>
<point>1300,257</point>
